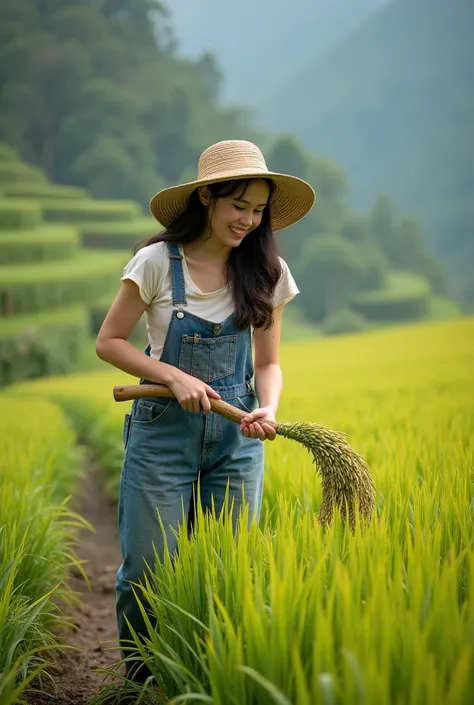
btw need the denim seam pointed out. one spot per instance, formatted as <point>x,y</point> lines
<point>177,276</point>
<point>168,335</point>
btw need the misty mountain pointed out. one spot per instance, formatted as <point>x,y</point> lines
<point>259,42</point>
<point>393,103</point>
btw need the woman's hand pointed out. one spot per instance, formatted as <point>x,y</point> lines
<point>192,394</point>
<point>253,425</point>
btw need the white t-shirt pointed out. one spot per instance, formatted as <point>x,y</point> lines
<point>150,270</point>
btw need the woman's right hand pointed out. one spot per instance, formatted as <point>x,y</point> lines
<point>192,394</point>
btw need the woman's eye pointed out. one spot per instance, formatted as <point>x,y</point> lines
<point>242,208</point>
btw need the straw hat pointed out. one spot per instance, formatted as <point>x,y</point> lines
<point>291,200</point>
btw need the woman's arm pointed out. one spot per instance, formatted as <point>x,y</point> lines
<point>268,376</point>
<point>268,379</point>
<point>113,347</point>
<point>112,344</point>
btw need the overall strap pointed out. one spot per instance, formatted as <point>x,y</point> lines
<point>177,276</point>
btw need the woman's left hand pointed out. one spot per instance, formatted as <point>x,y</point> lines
<point>253,425</point>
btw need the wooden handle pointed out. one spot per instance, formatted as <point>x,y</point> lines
<point>142,391</point>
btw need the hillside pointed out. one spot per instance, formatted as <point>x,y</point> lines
<point>61,257</point>
<point>393,104</point>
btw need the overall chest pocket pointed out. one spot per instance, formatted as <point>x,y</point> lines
<point>209,359</point>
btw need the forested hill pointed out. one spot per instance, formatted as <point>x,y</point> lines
<point>393,104</point>
<point>97,95</point>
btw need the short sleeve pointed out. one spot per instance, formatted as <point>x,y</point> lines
<point>146,270</point>
<point>286,289</point>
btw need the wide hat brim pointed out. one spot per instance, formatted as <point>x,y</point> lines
<point>291,200</point>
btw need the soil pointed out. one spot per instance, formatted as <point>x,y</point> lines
<point>94,636</point>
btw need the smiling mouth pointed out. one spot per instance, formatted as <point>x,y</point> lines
<point>237,231</point>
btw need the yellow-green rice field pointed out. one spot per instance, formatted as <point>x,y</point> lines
<point>39,463</point>
<point>290,612</point>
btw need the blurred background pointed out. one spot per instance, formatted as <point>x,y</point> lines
<point>104,102</point>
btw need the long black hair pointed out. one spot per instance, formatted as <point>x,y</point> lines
<point>253,268</point>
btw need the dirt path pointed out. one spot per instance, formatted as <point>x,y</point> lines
<point>96,633</point>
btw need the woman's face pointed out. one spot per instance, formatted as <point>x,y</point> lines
<point>234,217</point>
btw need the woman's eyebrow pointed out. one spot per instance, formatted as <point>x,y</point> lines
<point>260,205</point>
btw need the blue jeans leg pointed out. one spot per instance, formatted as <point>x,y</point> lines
<point>238,465</point>
<point>159,471</point>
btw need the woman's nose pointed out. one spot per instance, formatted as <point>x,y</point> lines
<point>246,220</point>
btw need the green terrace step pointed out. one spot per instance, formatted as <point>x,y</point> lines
<point>31,322</point>
<point>47,344</point>
<point>46,243</point>
<point>98,310</point>
<point>43,190</point>
<point>19,214</point>
<point>118,236</point>
<point>33,288</point>
<point>17,171</point>
<point>76,210</point>
<point>406,296</point>
<point>8,153</point>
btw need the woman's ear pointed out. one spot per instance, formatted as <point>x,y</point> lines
<point>204,195</point>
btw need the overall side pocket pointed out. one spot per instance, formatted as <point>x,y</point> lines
<point>126,429</point>
<point>152,409</point>
<point>247,403</point>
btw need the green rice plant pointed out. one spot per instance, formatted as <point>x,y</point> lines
<point>300,615</point>
<point>39,245</point>
<point>38,468</point>
<point>18,214</point>
<point>36,288</point>
<point>20,622</point>
<point>292,612</point>
<point>39,465</point>
<point>86,399</point>
<point>96,424</point>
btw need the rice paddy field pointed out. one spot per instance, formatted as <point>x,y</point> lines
<point>289,612</point>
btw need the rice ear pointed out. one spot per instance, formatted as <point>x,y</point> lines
<point>347,483</point>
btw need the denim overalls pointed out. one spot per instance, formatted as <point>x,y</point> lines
<point>167,448</point>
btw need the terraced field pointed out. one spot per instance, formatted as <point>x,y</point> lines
<point>291,612</point>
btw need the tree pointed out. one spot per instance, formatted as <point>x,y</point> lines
<point>210,74</point>
<point>383,225</point>
<point>329,270</point>
<point>413,254</point>
<point>404,243</point>
<point>356,228</point>
<point>108,166</point>
<point>287,155</point>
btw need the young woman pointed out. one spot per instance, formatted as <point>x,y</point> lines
<point>213,289</point>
